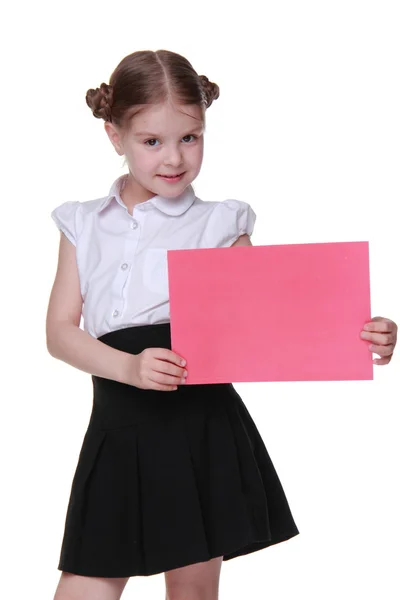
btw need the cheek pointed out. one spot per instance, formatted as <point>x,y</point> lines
<point>197,155</point>
<point>200,149</point>
<point>143,161</point>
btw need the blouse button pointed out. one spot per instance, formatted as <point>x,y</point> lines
<point>124,266</point>
<point>134,224</point>
<point>115,313</point>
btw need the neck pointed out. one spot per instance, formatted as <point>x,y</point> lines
<point>133,193</point>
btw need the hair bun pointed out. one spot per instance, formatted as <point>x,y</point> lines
<point>100,101</point>
<point>210,89</point>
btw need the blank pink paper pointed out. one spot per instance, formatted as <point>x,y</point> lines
<point>271,313</point>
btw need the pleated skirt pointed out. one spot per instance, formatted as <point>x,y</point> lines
<point>168,479</point>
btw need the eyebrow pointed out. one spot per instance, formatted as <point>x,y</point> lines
<point>155,135</point>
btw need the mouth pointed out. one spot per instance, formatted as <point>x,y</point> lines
<point>174,177</point>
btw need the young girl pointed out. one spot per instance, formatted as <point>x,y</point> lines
<point>175,482</point>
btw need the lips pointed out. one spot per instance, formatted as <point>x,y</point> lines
<point>171,175</point>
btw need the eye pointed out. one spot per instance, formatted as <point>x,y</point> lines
<point>190,135</point>
<point>152,140</point>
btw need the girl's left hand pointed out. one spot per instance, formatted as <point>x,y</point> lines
<point>383,335</point>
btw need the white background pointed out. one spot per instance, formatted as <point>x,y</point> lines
<point>307,131</point>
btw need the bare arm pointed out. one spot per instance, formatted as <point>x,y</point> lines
<point>65,340</point>
<point>243,240</point>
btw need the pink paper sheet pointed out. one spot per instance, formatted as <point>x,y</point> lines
<point>271,313</point>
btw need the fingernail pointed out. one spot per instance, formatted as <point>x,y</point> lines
<point>363,334</point>
<point>185,373</point>
<point>183,362</point>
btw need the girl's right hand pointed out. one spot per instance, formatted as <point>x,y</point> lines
<point>156,369</point>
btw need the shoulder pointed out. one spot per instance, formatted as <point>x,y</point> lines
<point>231,206</point>
<point>70,216</point>
<point>83,207</point>
<point>227,220</point>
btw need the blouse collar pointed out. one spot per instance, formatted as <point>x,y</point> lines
<point>170,206</point>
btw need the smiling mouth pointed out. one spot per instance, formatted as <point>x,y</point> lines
<point>171,176</point>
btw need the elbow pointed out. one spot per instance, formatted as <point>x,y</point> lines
<point>53,335</point>
<point>50,343</point>
<point>57,334</point>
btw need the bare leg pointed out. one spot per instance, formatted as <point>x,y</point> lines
<point>199,581</point>
<point>78,587</point>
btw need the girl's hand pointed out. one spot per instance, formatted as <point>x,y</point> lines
<point>156,369</point>
<point>383,335</point>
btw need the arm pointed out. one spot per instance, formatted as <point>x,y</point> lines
<point>243,240</point>
<point>65,340</point>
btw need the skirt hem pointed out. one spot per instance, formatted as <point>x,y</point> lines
<point>242,550</point>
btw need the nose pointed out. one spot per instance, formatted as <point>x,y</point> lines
<point>173,156</point>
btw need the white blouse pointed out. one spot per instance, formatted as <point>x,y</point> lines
<point>122,258</point>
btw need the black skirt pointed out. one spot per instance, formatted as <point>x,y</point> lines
<point>167,479</point>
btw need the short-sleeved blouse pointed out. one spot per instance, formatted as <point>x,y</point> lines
<point>122,258</point>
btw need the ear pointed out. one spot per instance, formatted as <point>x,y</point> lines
<point>115,137</point>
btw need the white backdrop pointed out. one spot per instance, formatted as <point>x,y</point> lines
<point>306,130</point>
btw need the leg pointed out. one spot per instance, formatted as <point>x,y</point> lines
<point>199,581</point>
<point>77,587</point>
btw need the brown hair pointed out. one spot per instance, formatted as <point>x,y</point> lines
<point>146,77</point>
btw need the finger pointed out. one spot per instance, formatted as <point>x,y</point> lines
<point>381,339</point>
<point>163,366</point>
<point>381,361</point>
<point>379,325</point>
<point>168,355</point>
<point>161,387</point>
<point>166,388</point>
<point>164,379</point>
<point>381,350</point>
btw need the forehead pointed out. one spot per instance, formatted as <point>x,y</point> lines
<point>167,118</point>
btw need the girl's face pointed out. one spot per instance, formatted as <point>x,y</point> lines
<point>162,140</point>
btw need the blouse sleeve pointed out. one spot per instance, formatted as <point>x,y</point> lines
<point>233,218</point>
<point>66,218</point>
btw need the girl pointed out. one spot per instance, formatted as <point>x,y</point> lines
<point>177,482</point>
